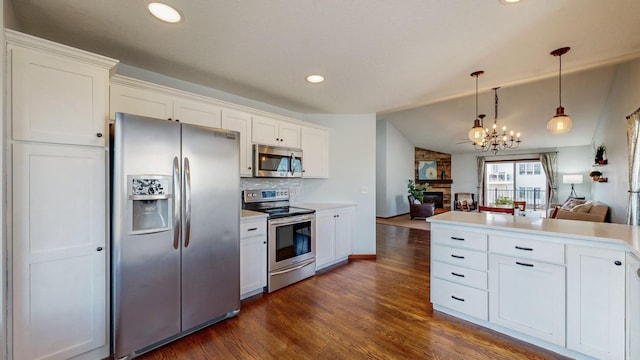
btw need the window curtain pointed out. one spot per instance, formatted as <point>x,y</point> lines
<point>633,130</point>
<point>550,165</point>
<point>480,162</point>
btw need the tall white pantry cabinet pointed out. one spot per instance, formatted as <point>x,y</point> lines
<point>57,112</point>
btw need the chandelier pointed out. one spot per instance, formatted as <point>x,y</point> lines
<point>484,139</point>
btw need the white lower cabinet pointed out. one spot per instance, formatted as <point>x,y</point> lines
<point>633,307</point>
<point>253,256</point>
<point>528,296</point>
<point>334,231</point>
<point>596,301</point>
<point>59,252</point>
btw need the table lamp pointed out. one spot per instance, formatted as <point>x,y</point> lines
<point>572,179</point>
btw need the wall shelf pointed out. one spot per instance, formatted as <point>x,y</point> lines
<point>435,181</point>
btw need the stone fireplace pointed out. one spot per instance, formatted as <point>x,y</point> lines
<point>436,197</point>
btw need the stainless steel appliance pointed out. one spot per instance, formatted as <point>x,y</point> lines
<point>291,238</point>
<point>275,161</point>
<point>175,230</point>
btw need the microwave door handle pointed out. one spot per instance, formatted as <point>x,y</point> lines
<point>291,158</point>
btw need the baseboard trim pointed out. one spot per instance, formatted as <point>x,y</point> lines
<point>362,257</point>
<point>390,217</point>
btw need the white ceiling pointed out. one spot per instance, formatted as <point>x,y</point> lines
<point>378,56</point>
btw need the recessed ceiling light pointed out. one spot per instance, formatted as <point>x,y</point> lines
<point>164,12</point>
<point>315,79</point>
<point>509,2</point>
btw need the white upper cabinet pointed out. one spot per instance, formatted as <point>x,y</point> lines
<point>161,105</point>
<point>56,99</point>
<point>269,131</point>
<point>240,122</point>
<point>315,152</point>
<point>196,113</point>
<point>140,102</point>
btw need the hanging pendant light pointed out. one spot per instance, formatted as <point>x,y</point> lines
<point>561,123</point>
<point>477,133</point>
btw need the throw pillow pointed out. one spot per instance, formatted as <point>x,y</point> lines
<point>417,202</point>
<point>583,208</point>
<point>571,203</point>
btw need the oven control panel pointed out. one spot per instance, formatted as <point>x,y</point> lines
<point>251,196</point>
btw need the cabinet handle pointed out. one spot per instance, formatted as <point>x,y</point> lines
<point>264,242</point>
<point>524,264</point>
<point>618,262</point>
<point>457,256</point>
<point>169,119</point>
<point>99,248</point>
<point>277,139</point>
<point>457,238</point>
<point>456,274</point>
<point>249,168</point>
<point>524,248</point>
<point>252,229</point>
<point>457,298</point>
<point>638,272</point>
<point>99,135</point>
<point>177,120</point>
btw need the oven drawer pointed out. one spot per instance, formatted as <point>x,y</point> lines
<point>461,257</point>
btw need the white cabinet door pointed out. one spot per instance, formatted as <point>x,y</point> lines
<point>59,261</point>
<point>528,296</point>
<point>343,227</point>
<point>265,131</point>
<point>315,152</point>
<point>241,122</point>
<point>140,102</point>
<point>57,100</point>
<point>325,237</point>
<point>196,113</point>
<point>268,131</point>
<point>253,255</point>
<point>596,301</point>
<point>289,134</point>
<point>633,307</point>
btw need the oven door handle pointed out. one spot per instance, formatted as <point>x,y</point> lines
<point>291,220</point>
<point>306,263</point>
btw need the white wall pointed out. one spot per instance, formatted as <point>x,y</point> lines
<point>352,169</point>
<point>396,162</point>
<point>624,99</point>
<point>575,160</point>
<point>3,238</point>
<point>464,175</point>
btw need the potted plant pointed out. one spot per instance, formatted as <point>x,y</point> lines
<point>599,154</point>
<point>595,175</point>
<point>503,200</point>
<point>417,193</point>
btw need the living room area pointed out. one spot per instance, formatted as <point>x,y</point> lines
<point>399,145</point>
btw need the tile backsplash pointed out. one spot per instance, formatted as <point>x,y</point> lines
<point>294,186</point>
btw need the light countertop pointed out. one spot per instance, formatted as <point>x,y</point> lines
<point>581,230</point>
<point>248,214</point>
<point>322,206</point>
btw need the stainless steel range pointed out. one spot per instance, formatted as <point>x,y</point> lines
<point>291,244</point>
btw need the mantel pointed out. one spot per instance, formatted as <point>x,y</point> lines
<point>435,181</point>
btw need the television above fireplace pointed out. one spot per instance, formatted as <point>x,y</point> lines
<point>436,197</point>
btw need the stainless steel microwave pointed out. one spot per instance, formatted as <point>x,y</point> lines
<point>275,161</point>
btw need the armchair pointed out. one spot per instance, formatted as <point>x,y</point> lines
<point>419,210</point>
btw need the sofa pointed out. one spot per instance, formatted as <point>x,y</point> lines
<point>582,210</point>
<point>420,210</point>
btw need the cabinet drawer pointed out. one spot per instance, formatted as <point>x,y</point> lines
<point>460,275</point>
<point>253,228</point>
<point>461,257</point>
<point>459,238</point>
<point>527,249</point>
<point>461,298</point>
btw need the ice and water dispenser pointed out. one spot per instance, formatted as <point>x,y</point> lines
<point>150,198</point>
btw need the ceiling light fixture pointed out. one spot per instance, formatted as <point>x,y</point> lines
<point>509,2</point>
<point>315,79</point>
<point>485,140</point>
<point>164,12</point>
<point>561,123</point>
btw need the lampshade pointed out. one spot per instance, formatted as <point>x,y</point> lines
<point>572,179</point>
<point>560,123</point>
<point>476,134</point>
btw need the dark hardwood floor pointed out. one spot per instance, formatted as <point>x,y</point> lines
<point>364,309</point>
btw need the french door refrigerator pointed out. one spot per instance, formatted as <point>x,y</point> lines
<point>175,265</point>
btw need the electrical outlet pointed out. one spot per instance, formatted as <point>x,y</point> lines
<point>364,189</point>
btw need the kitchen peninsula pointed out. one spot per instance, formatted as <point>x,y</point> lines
<point>569,286</point>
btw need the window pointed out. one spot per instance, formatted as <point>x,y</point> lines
<point>517,181</point>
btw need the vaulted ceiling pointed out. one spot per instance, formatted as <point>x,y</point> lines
<point>378,56</point>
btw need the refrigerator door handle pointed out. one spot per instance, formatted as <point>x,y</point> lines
<point>187,201</point>
<point>176,203</point>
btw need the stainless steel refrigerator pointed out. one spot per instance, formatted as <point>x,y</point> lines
<point>175,228</point>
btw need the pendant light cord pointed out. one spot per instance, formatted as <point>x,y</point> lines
<point>560,82</point>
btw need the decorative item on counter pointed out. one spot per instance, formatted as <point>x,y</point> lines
<point>443,174</point>
<point>595,175</point>
<point>600,154</point>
